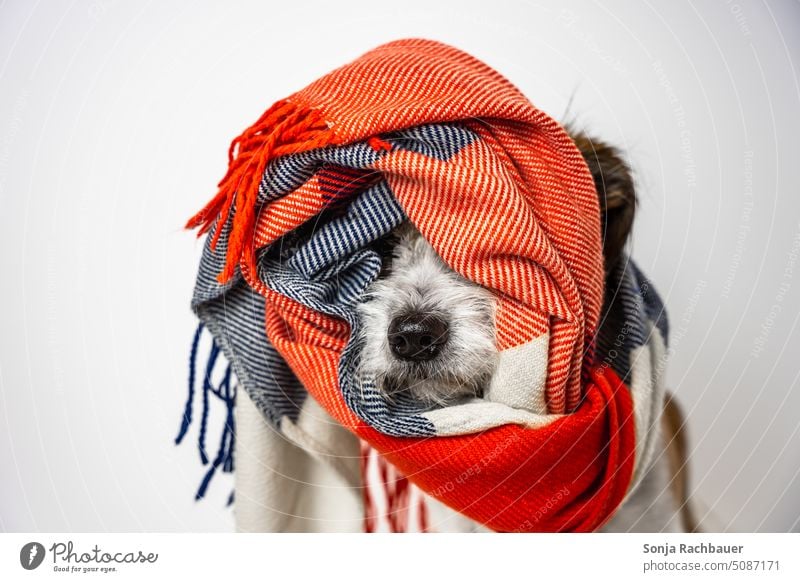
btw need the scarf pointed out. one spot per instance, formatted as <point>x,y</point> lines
<point>417,130</point>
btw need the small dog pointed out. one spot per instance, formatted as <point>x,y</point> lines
<point>430,333</point>
<point>427,331</point>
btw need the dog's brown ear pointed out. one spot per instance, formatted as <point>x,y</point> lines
<point>614,183</point>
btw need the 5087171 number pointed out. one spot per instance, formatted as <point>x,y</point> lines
<point>755,565</point>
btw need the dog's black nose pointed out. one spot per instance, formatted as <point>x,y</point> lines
<point>418,337</point>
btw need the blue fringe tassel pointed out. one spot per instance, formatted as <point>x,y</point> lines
<point>226,391</point>
<point>207,388</point>
<point>187,411</point>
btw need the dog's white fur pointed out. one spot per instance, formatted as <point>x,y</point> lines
<point>421,282</point>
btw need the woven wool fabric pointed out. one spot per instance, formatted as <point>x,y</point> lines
<point>421,131</point>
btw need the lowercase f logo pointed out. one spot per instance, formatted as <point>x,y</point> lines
<point>31,555</point>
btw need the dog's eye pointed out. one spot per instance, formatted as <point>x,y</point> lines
<point>385,248</point>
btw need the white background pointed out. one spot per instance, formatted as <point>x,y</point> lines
<point>115,119</point>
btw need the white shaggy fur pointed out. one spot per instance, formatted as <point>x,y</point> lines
<point>420,282</point>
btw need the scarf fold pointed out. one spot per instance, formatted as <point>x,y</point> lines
<point>417,130</point>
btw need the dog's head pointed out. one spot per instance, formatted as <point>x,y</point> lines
<point>428,332</point>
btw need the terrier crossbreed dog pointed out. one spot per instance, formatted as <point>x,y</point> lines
<point>429,334</point>
<point>428,331</point>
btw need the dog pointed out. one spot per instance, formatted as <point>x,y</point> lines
<point>428,334</point>
<point>426,330</point>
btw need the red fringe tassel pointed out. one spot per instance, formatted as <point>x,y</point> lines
<point>284,128</point>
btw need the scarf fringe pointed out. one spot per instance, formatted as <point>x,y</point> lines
<point>226,392</point>
<point>284,128</point>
